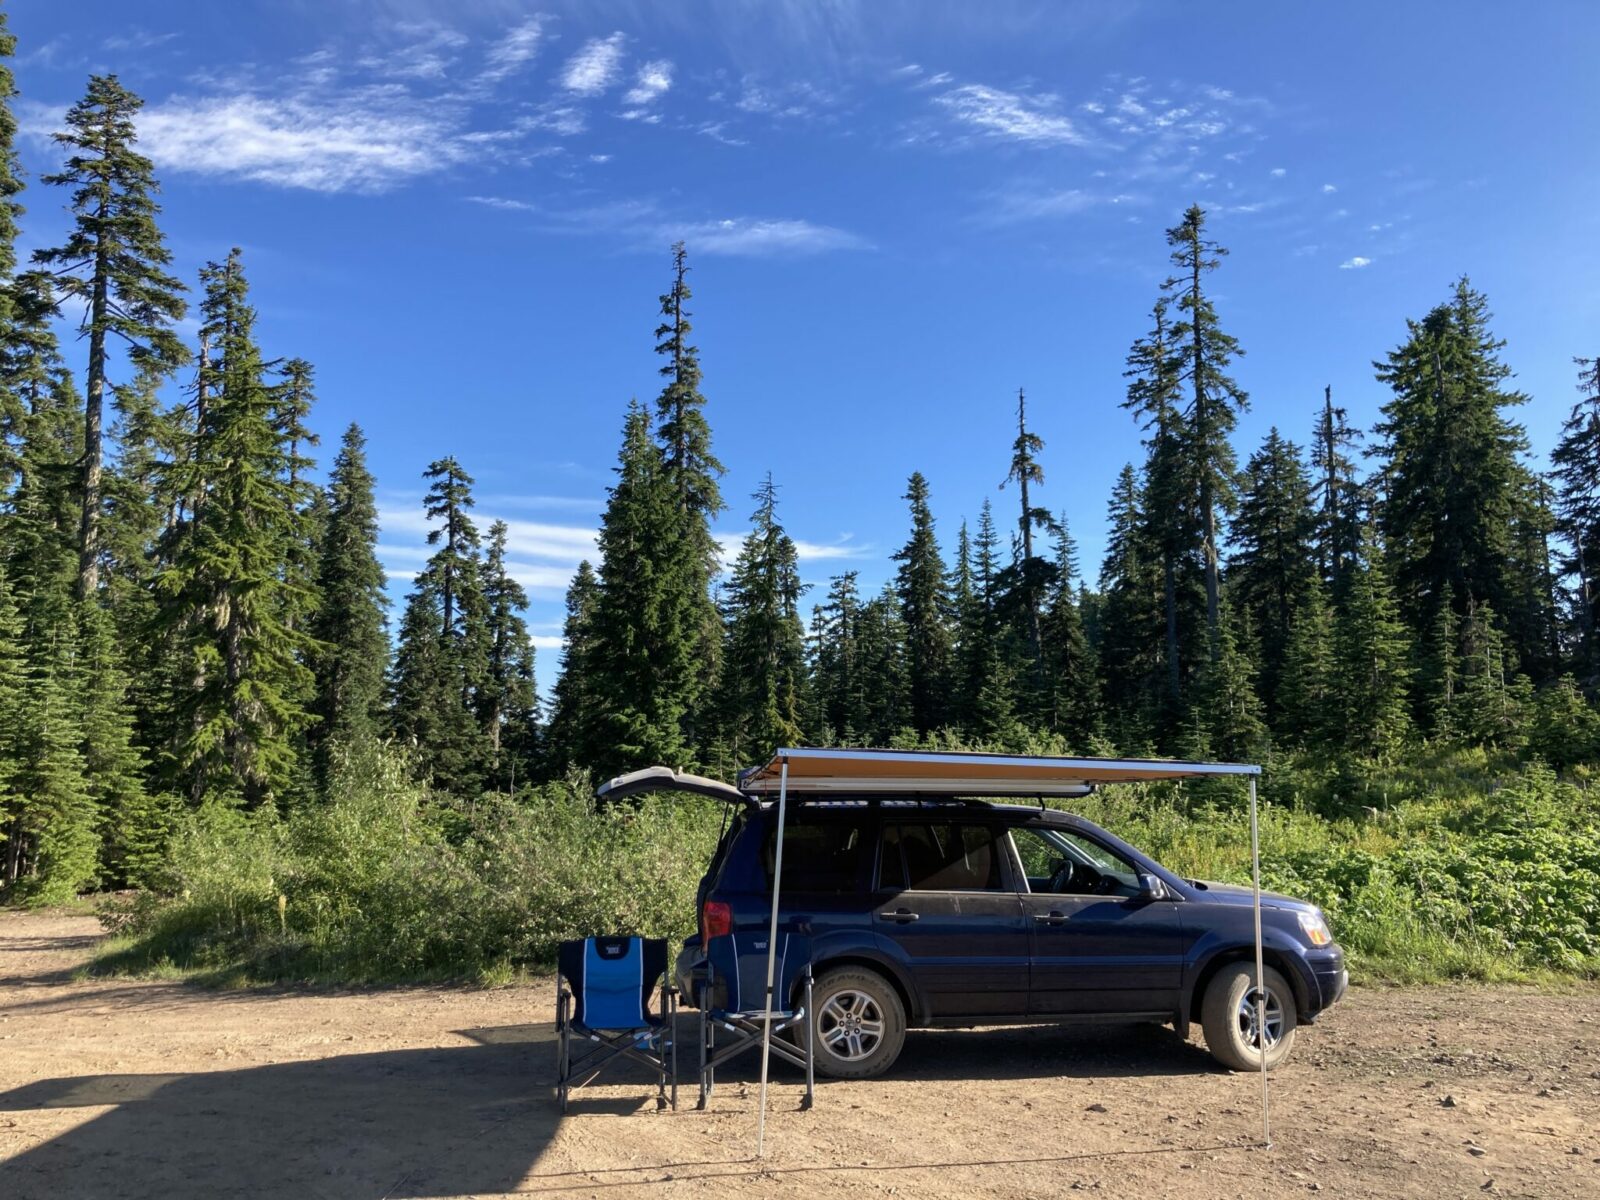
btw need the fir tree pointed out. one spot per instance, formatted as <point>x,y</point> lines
<point>575,701</point>
<point>1450,463</point>
<point>351,624</point>
<point>920,584</point>
<point>114,262</point>
<point>885,668</point>
<point>12,675</point>
<point>1372,657</point>
<point>1203,353</point>
<point>1338,493</point>
<point>1225,695</point>
<point>1306,706</point>
<point>292,402</point>
<point>1576,463</point>
<point>764,685</point>
<point>838,676</point>
<point>1274,563</point>
<point>647,672</point>
<point>1131,620</point>
<point>1030,575</point>
<point>442,657</point>
<point>1494,704</point>
<point>987,682</point>
<point>11,406</point>
<point>1074,683</point>
<point>508,701</point>
<point>133,825</point>
<point>224,596</point>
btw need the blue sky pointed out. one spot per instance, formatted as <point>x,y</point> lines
<point>896,214</point>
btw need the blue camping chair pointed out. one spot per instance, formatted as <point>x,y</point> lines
<point>608,1004</point>
<point>733,1000</point>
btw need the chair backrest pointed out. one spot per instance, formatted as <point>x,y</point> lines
<point>739,965</point>
<point>612,978</point>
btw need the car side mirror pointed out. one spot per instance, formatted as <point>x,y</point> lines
<point>1151,887</point>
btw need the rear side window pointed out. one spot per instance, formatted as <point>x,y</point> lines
<point>938,857</point>
<point>823,856</point>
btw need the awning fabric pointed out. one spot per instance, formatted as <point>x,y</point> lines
<point>924,772</point>
<point>665,779</point>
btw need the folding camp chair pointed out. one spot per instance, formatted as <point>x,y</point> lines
<point>733,1000</point>
<point>608,1004</point>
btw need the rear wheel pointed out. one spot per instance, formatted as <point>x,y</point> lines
<point>1229,1017</point>
<point>857,1022</point>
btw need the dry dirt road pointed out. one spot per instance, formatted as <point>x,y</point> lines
<point>117,1088</point>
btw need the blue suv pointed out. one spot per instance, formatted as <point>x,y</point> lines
<point>925,913</point>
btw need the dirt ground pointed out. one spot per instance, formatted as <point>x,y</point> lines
<point>117,1088</point>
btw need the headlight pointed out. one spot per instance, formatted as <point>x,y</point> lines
<point>1315,928</point>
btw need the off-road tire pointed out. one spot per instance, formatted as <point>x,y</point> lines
<point>861,981</point>
<point>1230,1044</point>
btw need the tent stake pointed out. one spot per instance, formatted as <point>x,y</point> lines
<point>1261,973</point>
<point>772,962</point>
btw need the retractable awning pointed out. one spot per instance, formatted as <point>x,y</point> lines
<point>951,773</point>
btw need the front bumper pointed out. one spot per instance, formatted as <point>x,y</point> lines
<point>1331,975</point>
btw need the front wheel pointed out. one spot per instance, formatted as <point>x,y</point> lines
<point>1229,1017</point>
<point>858,1024</point>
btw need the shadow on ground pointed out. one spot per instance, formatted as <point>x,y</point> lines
<point>445,1121</point>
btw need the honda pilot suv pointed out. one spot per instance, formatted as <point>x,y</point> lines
<point>970,913</point>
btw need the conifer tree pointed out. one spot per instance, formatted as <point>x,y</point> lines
<point>1495,702</point>
<point>1131,620</point>
<point>1439,671</point>
<point>1075,689</point>
<point>838,677</point>
<point>1338,492</point>
<point>1274,563</point>
<point>1030,575</point>
<point>987,682</point>
<point>691,471</point>
<point>11,702</point>
<point>351,624</point>
<point>442,656</point>
<point>575,701</point>
<point>133,824</point>
<point>1225,695</point>
<point>764,685</point>
<point>1203,353</point>
<point>1450,463</point>
<point>1306,711</point>
<point>647,670</point>
<point>114,262</point>
<point>885,668</point>
<point>1576,463</point>
<point>224,596</point>
<point>12,409</point>
<point>508,701</point>
<point>1372,656</point>
<point>921,586</point>
<point>293,399</point>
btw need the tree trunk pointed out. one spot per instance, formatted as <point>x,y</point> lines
<point>93,420</point>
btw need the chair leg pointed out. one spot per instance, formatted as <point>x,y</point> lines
<point>672,1024</point>
<point>810,1048</point>
<point>563,1051</point>
<point>707,1033</point>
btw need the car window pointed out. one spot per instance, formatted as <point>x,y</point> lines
<point>1060,860</point>
<point>820,856</point>
<point>938,856</point>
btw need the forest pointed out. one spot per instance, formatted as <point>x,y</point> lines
<point>209,716</point>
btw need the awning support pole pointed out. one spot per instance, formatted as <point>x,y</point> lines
<point>1261,972</point>
<point>772,952</point>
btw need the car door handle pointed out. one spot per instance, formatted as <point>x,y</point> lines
<point>901,916</point>
<point>1051,918</point>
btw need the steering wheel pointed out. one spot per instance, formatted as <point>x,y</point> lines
<point>1062,879</point>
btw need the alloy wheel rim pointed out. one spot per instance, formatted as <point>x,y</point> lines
<point>1247,1017</point>
<point>850,1024</point>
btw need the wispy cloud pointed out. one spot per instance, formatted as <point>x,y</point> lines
<point>515,49</point>
<point>137,39</point>
<point>653,79</point>
<point>1027,204</point>
<point>1278,172</point>
<point>1355,264</point>
<point>1011,116</point>
<point>729,543</point>
<point>1328,189</point>
<point>594,68</point>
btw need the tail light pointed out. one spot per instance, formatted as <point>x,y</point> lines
<point>716,919</point>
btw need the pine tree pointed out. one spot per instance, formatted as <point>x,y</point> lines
<point>1203,352</point>
<point>1451,464</point>
<point>1372,656</point>
<point>442,657</point>
<point>224,596</point>
<point>764,685</point>
<point>1274,564</point>
<point>920,584</point>
<point>351,625</point>
<point>647,630</point>
<point>508,702</point>
<point>114,261</point>
<point>1576,463</point>
<point>575,701</point>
